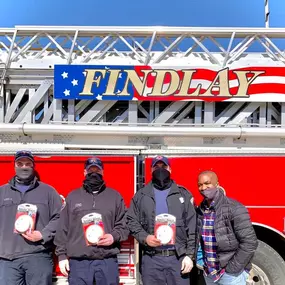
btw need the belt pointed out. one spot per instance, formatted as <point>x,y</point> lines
<point>161,252</point>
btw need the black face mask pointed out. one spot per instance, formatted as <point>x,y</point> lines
<point>94,182</point>
<point>161,178</point>
<point>24,175</point>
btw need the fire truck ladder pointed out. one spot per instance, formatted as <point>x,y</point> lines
<point>29,113</point>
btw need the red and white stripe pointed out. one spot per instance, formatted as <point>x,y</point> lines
<point>269,86</point>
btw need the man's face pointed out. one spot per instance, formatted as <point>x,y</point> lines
<point>160,164</point>
<point>206,181</point>
<point>24,163</point>
<point>93,169</point>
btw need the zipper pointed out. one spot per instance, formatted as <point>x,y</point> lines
<point>94,202</point>
<point>154,215</point>
<point>22,194</point>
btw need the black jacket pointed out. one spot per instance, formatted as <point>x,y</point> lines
<point>141,217</point>
<point>48,202</point>
<point>69,239</point>
<point>235,235</point>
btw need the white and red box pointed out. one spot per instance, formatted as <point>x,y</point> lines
<point>93,228</point>
<point>25,218</point>
<point>165,229</point>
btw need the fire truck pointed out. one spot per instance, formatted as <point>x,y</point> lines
<point>208,98</point>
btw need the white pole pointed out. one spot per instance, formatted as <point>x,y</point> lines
<point>152,131</point>
<point>267,12</point>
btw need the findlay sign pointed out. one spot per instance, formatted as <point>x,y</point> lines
<point>146,83</point>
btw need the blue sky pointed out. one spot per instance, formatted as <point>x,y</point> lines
<point>234,13</point>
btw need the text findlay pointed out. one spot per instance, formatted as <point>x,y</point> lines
<point>177,87</point>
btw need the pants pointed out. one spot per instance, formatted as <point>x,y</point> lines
<point>29,270</point>
<point>162,270</point>
<point>228,279</point>
<point>85,272</point>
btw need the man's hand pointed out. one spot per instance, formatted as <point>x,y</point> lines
<point>64,267</point>
<point>106,240</point>
<point>33,236</point>
<point>187,265</point>
<point>152,241</point>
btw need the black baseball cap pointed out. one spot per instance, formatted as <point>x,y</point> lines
<point>94,161</point>
<point>24,154</point>
<point>160,158</point>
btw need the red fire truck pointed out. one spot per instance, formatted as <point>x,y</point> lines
<point>254,180</point>
<point>208,98</point>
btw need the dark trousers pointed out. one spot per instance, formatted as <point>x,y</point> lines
<point>85,272</point>
<point>29,270</point>
<point>162,270</point>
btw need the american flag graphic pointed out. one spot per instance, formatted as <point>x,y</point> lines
<point>69,81</point>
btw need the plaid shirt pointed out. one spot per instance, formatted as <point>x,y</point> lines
<point>212,265</point>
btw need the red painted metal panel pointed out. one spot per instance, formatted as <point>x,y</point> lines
<point>65,173</point>
<point>254,181</point>
<point>273,218</point>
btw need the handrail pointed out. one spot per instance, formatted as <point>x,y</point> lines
<point>223,32</point>
<point>150,131</point>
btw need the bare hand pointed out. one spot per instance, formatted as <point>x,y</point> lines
<point>106,240</point>
<point>64,267</point>
<point>187,265</point>
<point>152,241</point>
<point>33,236</point>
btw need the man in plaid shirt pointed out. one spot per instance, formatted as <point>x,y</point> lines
<point>226,235</point>
<point>212,265</point>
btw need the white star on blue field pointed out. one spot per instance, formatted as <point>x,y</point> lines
<point>69,81</point>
